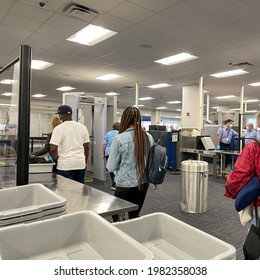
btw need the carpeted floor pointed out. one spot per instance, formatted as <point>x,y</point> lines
<point>220,220</point>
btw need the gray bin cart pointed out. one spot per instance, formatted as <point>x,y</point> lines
<point>194,186</point>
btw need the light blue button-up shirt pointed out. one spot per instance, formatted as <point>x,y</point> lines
<point>121,160</point>
<point>109,137</point>
<point>226,134</point>
<point>250,135</point>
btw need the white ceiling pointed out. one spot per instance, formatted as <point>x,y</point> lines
<point>217,31</point>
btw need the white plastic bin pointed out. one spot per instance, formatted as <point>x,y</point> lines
<point>28,199</point>
<point>45,214</point>
<point>40,167</point>
<point>78,236</point>
<point>171,239</point>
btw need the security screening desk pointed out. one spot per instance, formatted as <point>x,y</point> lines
<point>217,156</point>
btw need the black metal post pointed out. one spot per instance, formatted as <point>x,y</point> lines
<point>22,174</point>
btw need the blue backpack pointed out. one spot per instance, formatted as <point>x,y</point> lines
<point>156,166</point>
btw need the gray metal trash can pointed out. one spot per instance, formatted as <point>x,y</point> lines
<point>194,186</point>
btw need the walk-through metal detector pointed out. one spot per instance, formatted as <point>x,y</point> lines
<point>92,112</point>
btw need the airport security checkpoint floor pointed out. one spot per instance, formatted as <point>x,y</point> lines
<point>220,220</point>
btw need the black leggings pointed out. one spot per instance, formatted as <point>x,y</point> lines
<point>133,195</point>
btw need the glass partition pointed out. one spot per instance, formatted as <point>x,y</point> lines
<point>9,90</point>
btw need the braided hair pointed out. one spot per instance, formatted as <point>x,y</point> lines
<point>132,117</point>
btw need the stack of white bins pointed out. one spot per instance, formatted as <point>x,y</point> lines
<point>29,203</point>
<point>171,239</point>
<point>77,236</point>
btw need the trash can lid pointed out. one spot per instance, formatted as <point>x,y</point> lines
<point>194,165</point>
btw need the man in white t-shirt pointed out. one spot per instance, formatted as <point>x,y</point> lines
<point>69,145</point>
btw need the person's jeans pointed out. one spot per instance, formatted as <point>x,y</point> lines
<point>76,175</point>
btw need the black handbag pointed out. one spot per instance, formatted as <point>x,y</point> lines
<point>251,246</point>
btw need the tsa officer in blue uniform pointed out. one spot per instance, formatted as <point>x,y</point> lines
<point>250,133</point>
<point>225,134</point>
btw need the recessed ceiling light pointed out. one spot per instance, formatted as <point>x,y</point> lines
<point>251,111</point>
<point>214,107</point>
<point>174,102</point>
<point>40,64</point>
<point>112,93</point>
<point>235,109</point>
<point>255,84</point>
<point>251,100</point>
<point>38,95</point>
<point>162,85</point>
<point>175,59</point>
<point>91,35</point>
<point>146,98</point>
<point>205,91</point>
<point>160,108</point>
<point>224,97</point>
<point>108,77</point>
<point>178,110</point>
<point>229,73</point>
<point>9,105</point>
<point>140,105</point>
<point>8,94</point>
<point>7,82</point>
<point>65,88</point>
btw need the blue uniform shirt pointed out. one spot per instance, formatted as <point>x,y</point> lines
<point>109,137</point>
<point>226,134</point>
<point>249,134</point>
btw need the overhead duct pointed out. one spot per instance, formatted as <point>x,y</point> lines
<point>80,11</point>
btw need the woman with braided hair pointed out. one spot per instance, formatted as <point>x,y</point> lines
<point>128,159</point>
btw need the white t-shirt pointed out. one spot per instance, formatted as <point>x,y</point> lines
<point>70,137</point>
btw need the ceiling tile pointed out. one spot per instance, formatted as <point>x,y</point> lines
<point>110,22</point>
<point>51,30</point>
<point>23,23</point>
<point>155,5</point>
<point>66,22</point>
<point>14,31</point>
<point>6,5</point>
<point>130,12</point>
<point>29,12</point>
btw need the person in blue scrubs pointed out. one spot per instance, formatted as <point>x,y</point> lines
<point>106,146</point>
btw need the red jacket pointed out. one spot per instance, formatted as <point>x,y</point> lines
<point>247,165</point>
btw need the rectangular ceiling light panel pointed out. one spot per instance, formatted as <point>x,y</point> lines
<point>224,97</point>
<point>65,88</point>
<point>91,35</point>
<point>255,84</point>
<point>175,59</point>
<point>229,73</point>
<point>40,64</point>
<point>108,77</point>
<point>146,98</point>
<point>162,85</point>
